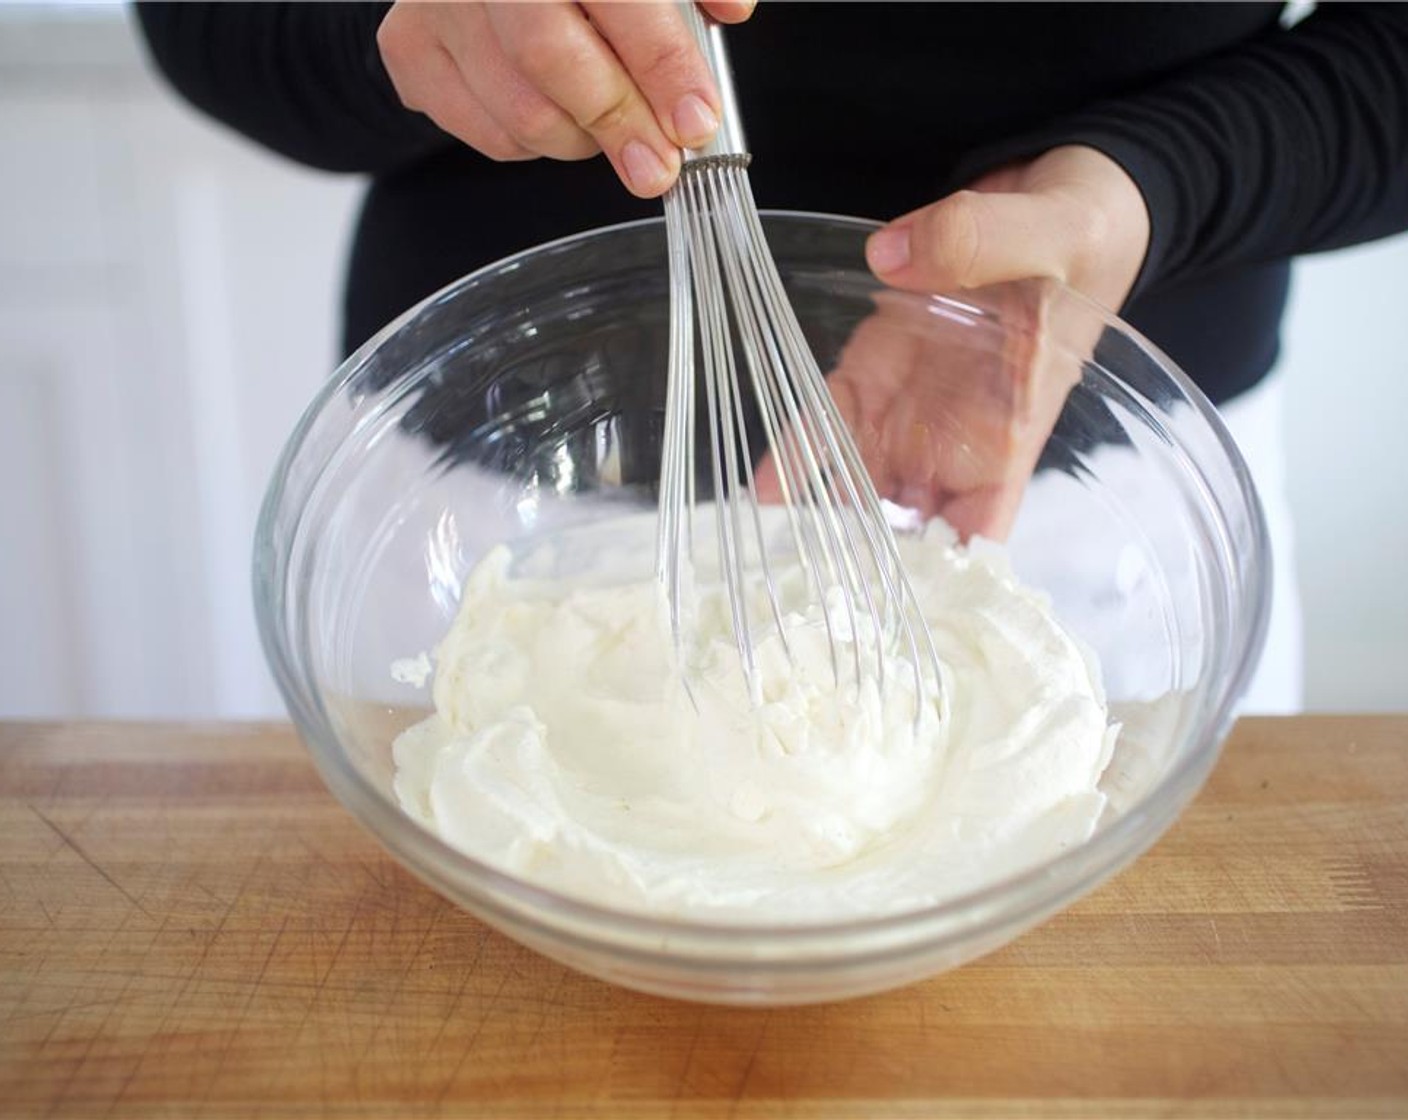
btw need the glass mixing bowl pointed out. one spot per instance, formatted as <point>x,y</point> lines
<point>527,398</point>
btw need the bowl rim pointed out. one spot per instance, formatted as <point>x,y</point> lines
<point>1040,889</point>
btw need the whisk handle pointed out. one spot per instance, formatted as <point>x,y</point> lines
<point>728,141</point>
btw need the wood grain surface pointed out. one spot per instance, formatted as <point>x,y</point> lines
<point>191,926</point>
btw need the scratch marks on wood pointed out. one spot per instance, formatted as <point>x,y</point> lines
<point>77,849</point>
<point>1216,938</point>
<point>1353,885</point>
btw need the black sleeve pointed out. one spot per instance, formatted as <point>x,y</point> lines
<point>304,79</point>
<point>1294,142</point>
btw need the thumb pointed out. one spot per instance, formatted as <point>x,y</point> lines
<point>971,239</point>
<point>729,11</point>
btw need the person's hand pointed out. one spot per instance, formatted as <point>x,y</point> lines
<point>950,412</point>
<point>517,81</point>
<point>1072,215</point>
<point>951,421</point>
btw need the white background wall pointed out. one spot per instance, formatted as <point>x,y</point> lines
<point>1346,365</point>
<point>167,306</point>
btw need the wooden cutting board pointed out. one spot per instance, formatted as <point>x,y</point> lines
<point>191,926</point>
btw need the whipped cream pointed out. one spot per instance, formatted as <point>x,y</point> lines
<point>566,748</point>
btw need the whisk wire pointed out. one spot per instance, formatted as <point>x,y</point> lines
<point>794,452</point>
<point>902,606</point>
<point>762,359</point>
<point>732,326</point>
<point>844,478</point>
<point>676,467</point>
<point>720,385</point>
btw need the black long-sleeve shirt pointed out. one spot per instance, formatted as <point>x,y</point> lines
<point>1251,142</point>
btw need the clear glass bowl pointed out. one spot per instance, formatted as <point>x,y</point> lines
<point>528,397</point>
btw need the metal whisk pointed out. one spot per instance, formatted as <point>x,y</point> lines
<point>734,334</point>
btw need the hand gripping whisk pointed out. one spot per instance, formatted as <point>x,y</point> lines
<point>734,335</point>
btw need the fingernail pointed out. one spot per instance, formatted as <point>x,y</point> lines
<point>695,122</point>
<point>888,250</point>
<point>643,167</point>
